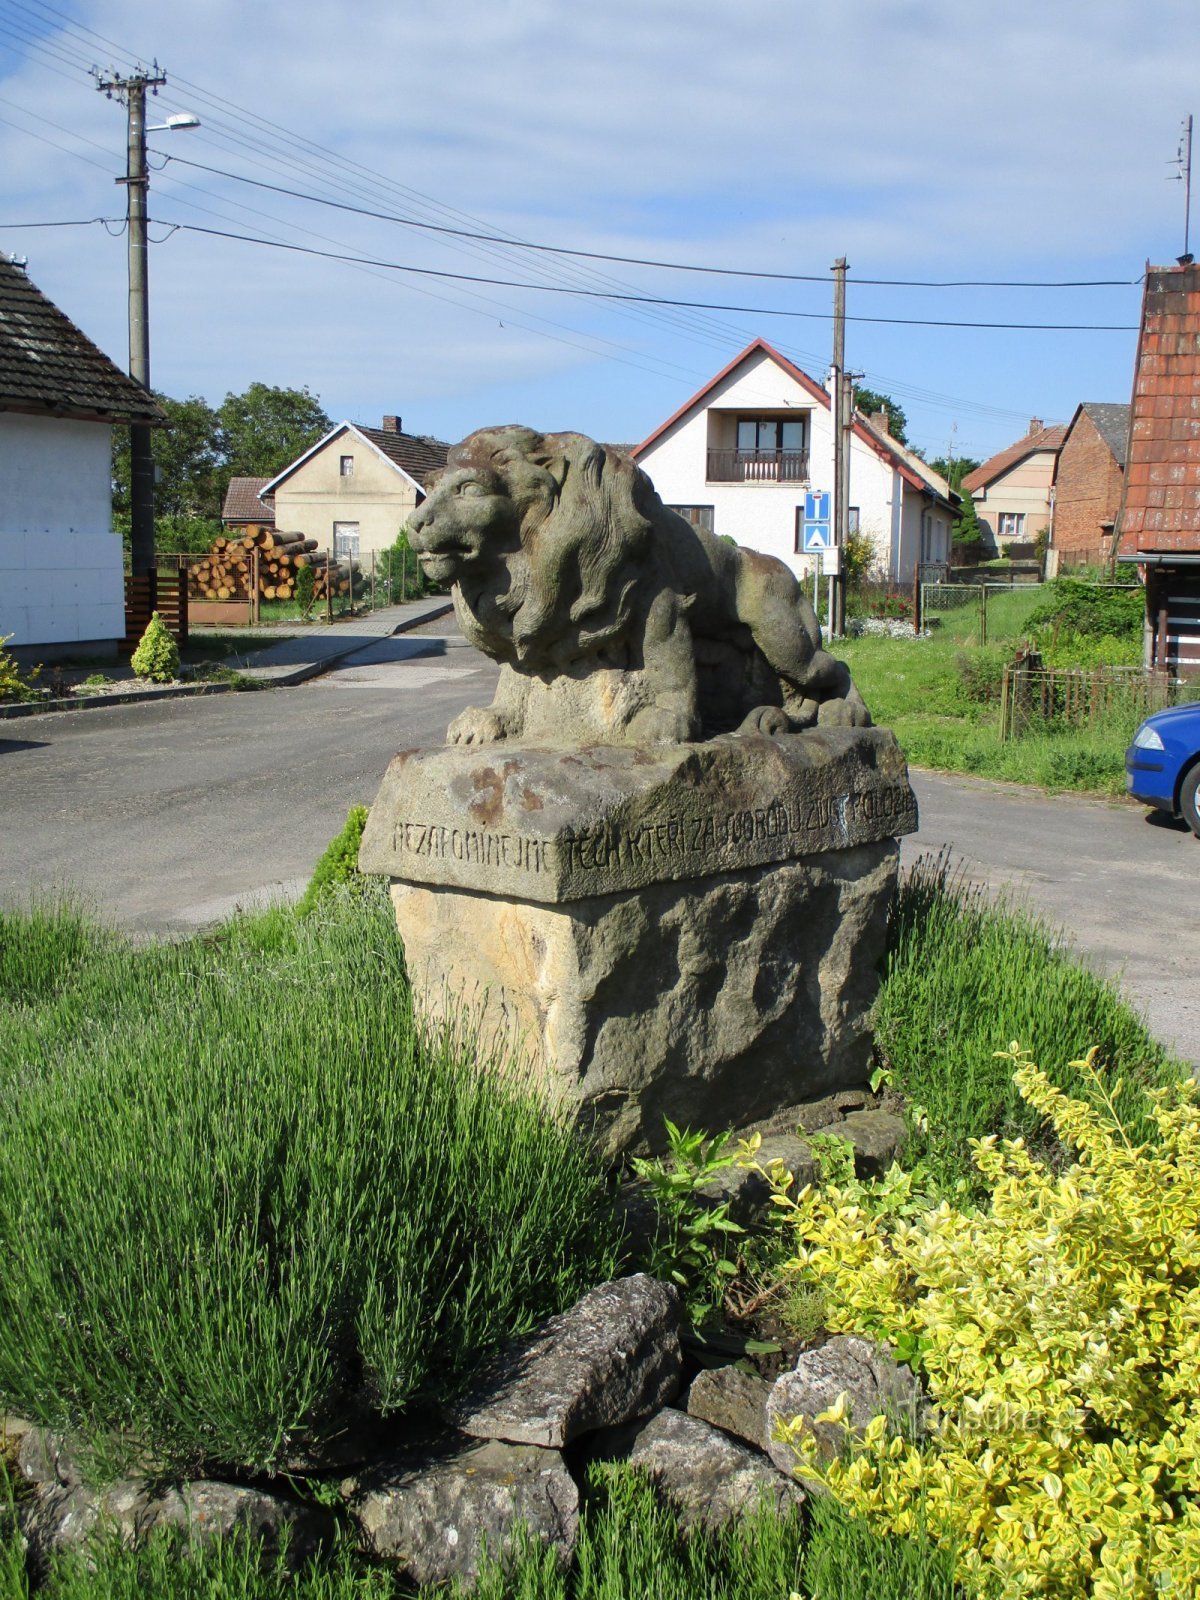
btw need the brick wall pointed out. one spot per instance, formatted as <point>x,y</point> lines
<point>1162,495</point>
<point>1087,494</point>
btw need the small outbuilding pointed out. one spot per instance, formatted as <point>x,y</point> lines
<point>61,565</point>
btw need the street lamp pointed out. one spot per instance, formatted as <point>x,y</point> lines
<point>132,92</point>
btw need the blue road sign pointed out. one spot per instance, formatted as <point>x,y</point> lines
<point>816,506</point>
<point>817,537</point>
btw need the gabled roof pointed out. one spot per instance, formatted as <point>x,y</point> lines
<point>242,502</point>
<point>49,368</point>
<point>1004,460</point>
<point>412,455</point>
<point>914,473</point>
<point>1160,495</point>
<point>933,482</point>
<point>1111,422</point>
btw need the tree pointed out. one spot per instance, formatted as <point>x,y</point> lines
<point>954,471</point>
<point>186,458</point>
<point>868,401</point>
<point>968,530</point>
<point>265,428</point>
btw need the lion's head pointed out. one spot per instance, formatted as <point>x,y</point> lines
<point>539,534</point>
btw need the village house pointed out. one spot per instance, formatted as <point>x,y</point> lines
<point>1088,479</point>
<point>244,508</point>
<point>61,566</point>
<point>739,457</point>
<point>1011,490</point>
<point>1158,522</point>
<point>356,488</point>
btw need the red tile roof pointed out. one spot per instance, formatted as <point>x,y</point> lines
<point>1160,508</point>
<point>995,467</point>
<point>243,505</point>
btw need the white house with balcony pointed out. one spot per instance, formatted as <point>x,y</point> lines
<point>739,457</point>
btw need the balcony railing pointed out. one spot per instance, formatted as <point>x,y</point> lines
<point>757,466</point>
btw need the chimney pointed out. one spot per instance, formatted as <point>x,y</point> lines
<point>392,425</point>
<point>1035,426</point>
<point>881,419</point>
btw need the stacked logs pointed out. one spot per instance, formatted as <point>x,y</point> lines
<point>226,572</point>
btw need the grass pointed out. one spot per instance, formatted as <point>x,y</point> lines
<point>237,1189</point>
<point>934,694</point>
<point>965,976</point>
<point>629,1548</point>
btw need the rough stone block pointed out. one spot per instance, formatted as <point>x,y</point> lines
<point>864,1372</point>
<point>732,1400</point>
<point>612,1357</point>
<point>434,1517</point>
<point>710,1477</point>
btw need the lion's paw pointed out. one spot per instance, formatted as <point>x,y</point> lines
<point>771,720</point>
<point>477,725</point>
<point>848,713</point>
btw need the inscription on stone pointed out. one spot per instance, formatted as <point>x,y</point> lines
<point>477,846</point>
<point>718,836</point>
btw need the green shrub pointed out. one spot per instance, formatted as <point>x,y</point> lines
<point>338,866</point>
<point>1089,610</point>
<point>305,591</point>
<point>980,674</point>
<point>235,1191</point>
<point>157,655</point>
<point>15,684</point>
<point>960,969</point>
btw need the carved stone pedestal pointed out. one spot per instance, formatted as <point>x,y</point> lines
<point>691,932</point>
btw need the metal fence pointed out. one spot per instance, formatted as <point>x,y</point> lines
<point>1034,698</point>
<point>961,609</point>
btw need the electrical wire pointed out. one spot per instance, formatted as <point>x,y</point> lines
<point>655,300</point>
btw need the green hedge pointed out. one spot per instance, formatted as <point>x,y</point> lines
<point>236,1188</point>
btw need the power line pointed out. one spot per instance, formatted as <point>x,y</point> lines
<point>647,261</point>
<point>658,300</point>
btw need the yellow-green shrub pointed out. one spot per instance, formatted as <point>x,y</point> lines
<point>13,684</point>
<point>1058,1332</point>
<point>157,654</point>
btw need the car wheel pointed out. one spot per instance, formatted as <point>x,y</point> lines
<point>1189,798</point>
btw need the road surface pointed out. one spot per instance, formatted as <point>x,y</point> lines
<point>167,816</point>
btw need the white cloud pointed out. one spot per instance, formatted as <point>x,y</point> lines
<point>918,137</point>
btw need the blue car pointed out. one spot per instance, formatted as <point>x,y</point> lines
<point>1162,765</point>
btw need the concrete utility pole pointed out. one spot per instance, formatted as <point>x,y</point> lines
<point>842,414</point>
<point>132,94</point>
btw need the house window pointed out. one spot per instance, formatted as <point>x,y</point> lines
<point>698,516</point>
<point>1010,525</point>
<point>347,466</point>
<point>345,538</point>
<point>852,519</point>
<point>767,450</point>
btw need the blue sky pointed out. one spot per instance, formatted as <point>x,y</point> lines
<point>923,140</point>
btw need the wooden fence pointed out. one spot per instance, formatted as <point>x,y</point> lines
<point>1034,698</point>
<point>164,591</point>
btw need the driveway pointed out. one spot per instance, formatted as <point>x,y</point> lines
<point>167,816</point>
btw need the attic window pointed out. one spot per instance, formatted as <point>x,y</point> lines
<point>347,466</point>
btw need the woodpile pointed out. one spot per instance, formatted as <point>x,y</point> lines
<point>227,571</point>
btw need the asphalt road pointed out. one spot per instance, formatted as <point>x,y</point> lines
<point>167,816</point>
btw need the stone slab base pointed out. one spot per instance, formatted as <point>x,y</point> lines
<point>710,1001</point>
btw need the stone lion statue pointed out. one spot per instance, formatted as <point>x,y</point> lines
<point>614,620</point>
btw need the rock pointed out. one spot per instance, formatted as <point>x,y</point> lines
<point>689,931</point>
<point>865,1372</point>
<point>58,1517</point>
<point>43,1457</point>
<point>710,1001</point>
<point>816,1114</point>
<point>13,1430</point>
<point>732,1400</point>
<point>435,1517</point>
<point>613,1356</point>
<point>63,1517</point>
<point>709,1477</point>
<point>746,1191</point>
<point>877,1137</point>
